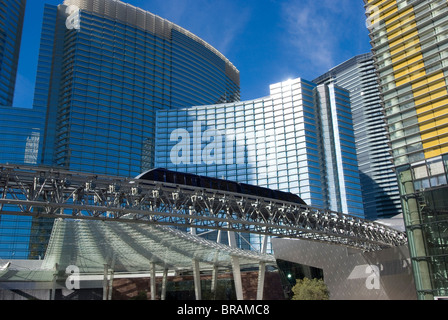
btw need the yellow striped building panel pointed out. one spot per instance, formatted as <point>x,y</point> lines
<point>404,27</point>
<point>429,89</point>
<point>398,17</point>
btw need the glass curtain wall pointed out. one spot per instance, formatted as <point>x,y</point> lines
<point>109,76</point>
<point>410,41</point>
<point>12,13</point>
<point>275,142</point>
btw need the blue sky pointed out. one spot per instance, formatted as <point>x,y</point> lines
<point>267,40</point>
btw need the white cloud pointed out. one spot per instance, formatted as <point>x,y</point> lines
<point>317,30</point>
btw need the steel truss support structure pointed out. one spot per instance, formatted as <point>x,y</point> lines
<point>57,193</point>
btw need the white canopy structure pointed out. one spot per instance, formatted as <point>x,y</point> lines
<point>100,250</point>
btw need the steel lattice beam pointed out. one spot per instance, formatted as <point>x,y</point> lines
<point>55,193</point>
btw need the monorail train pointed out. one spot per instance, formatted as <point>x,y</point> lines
<point>164,175</point>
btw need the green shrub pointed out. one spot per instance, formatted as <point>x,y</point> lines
<point>307,289</point>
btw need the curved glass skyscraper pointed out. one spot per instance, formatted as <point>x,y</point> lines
<point>105,68</point>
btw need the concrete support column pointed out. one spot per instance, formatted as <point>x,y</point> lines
<point>237,277</point>
<point>53,285</point>
<point>108,282</point>
<point>214,285</point>
<point>236,267</point>
<point>164,283</point>
<point>110,285</point>
<point>261,276</point>
<point>152,281</point>
<point>197,280</point>
<point>105,282</point>
<point>262,271</point>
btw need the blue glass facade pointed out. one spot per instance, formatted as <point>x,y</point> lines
<point>107,78</point>
<point>21,135</point>
<point>381,196</point>
<point>295,140</point>
<point>339,150</point>
<point>11,23</point>
<point>99,84</point>
<point>21,130</point>
<point>20,139</point>
<point>299,139</point>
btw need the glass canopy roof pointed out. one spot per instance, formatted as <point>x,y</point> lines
<point>131,247</point>
<point>93,248</point>
<point>125,248</point>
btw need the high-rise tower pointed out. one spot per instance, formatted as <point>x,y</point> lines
<point>106,70</point>
<point>299,139</point>
<point>21,129</point>
<point>12,13</point>
<point>381,197</point>
<point>410,42</point>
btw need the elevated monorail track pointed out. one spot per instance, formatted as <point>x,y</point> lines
<point>57,193</point>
